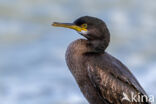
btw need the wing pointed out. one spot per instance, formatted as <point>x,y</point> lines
<point>113,80</point>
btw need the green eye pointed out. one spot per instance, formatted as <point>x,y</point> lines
<point>84,26</point>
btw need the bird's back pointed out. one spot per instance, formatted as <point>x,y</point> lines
<point>113,79</point>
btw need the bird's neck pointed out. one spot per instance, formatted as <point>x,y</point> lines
<point>82,46</point>
<point>98,46</point>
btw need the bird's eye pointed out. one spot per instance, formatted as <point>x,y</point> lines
<point>84,26</point>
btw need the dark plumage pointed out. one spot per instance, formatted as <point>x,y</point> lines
<point>102,78</point>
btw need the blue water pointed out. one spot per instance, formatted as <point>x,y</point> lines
<point>32,63</point>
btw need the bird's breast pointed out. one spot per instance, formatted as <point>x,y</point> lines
<point>75,59</point>
<point>76,62</point>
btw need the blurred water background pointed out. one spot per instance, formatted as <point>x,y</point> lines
<point>32,63</point>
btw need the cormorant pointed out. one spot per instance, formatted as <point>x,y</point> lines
<point>102,78</point>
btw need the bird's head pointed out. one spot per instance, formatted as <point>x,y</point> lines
<point>94,29</point>
<point>90,27</point>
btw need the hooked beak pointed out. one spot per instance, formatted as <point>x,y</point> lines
<point>70,25</point>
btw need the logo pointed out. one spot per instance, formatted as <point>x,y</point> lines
<point>125,97</point>
<point>137,97</point>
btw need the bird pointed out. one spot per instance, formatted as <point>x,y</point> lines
<point>102,78</point>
